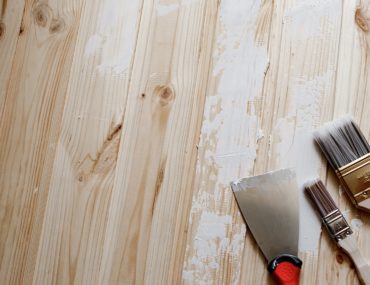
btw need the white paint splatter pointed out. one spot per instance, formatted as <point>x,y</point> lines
<point>116,64</point>
<point>188,275</point>
<point>356,224</point>
<point>163,10</point>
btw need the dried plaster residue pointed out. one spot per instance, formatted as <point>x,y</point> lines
<point>228,145</point>
<point>211,242</point>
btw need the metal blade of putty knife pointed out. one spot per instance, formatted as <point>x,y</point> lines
<point>269,205</point>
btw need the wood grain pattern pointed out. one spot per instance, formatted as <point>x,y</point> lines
<point>81,183</point>
<point>10,30</point>
<point>123,122</point>
<point>29,127</point>
<point>165,104</point>
<point>227,147</point>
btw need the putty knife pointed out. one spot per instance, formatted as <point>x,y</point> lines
<point>269,204</point>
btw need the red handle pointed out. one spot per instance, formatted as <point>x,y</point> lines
<point>286,269</point>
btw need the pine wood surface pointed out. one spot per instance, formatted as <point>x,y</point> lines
<point>123,122</point>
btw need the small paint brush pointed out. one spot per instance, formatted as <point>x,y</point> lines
<point>337,226</point>
<point>348,152</point>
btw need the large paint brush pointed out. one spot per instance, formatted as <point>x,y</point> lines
<point>337,226</point>
<point>269,204</point>
<point>348,152</point>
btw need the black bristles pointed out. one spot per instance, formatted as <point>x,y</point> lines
<point>342,142</point>
<point>320,197</point>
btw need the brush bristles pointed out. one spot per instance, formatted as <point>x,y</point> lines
<point>342,142</point>
<point>320,197</point>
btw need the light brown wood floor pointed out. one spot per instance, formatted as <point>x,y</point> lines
<point>123,122</point>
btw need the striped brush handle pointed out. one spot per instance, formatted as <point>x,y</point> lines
<point>349,245</point>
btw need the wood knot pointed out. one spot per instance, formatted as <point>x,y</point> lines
<point>114,132</point>
<point>165,94</point>
<point>361,20</point>
<point>21,30</point>
<point>41,13</point>
<point>339,258</point>
<point>56,25</point>
<point>80,178</point>
<point>2,30</point>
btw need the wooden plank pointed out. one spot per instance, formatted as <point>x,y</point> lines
<point>10,29</point>
<point>228,145</point>
<point>351,97</point>
<point>29,128</point>
<point>123,123</point>
<point>299,89</point>
<point>74,227</point>
<point>157,153</point>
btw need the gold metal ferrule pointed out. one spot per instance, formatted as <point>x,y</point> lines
<point>355,177</point>
<point>337,225</point>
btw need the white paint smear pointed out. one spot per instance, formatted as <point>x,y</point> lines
<point>188,2</point>
<point>188,275</point>
<point>210,243</point>
<point>356,224</point>
<point>296,148</point>
<point>115,37</point>
<point>211,234</point>
<point>94,43</point>
<point>110,13</point>
<point>163,10</point>
<point>306,17</point>
<point>229,132</point>
<point>228,142</point>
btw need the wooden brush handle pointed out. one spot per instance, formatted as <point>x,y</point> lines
<point>349,245</point>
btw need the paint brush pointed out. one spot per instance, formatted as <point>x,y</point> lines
<point>348,152</point>
<point>337,226</point>
<point>269,204</point>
